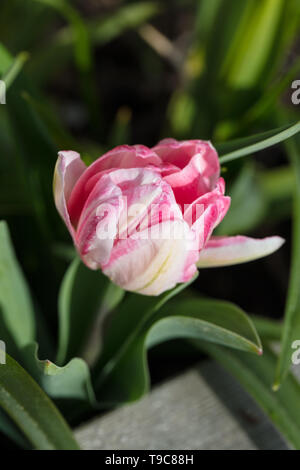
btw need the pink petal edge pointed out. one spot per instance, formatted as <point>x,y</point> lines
<point>227,251</point>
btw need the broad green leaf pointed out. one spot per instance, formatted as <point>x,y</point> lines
<point>71,382</point>
<point>256,375</point>
<point>126,325</point>
<point>126,376</point>
<point>291,328</point>
<point>8,427</point>
<point>17,314</point>
<point>240,147</point>
<point>32,411</point>
<point>211,320</point>
<point>81,300</point>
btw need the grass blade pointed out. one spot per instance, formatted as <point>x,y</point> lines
<point>230,151</point>
<point>291,328</point>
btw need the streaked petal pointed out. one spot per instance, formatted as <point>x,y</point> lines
<point>69,167</point>
<point>122,157</point>
<point>226,251</point>
<point>152,263</point>
<point>180,153</point>
<point>119,204</point>
<point>194,210</point>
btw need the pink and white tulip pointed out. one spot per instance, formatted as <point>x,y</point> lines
<point>145,217</point>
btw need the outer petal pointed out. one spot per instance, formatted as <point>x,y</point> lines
<point>69,167</point>
<point>124,157</point>
<point>97,227</point>
<point>226,251</point>
<point>152,264</point>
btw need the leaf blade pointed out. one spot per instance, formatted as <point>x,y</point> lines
<point>15,301</point>
<point>31,409</point>
<point>243,147</point>
<point>80,300</point>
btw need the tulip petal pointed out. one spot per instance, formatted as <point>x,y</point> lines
<point>153,262</point>
<point>122,157</point>
<point>226,251</point>
<point>180,153</point>
<point>120,204</point>
<point>69,167</point>
<point>194,210</point>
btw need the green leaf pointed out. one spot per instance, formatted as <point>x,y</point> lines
<point>125,376</point>
<point>17,314</point>
<point>8,427</point>
<point>241,147</point>
<point>212,320</point>
<point>80,301</point>
<point>253,42</point>
<point>126,325</point>
<point>256,376</point>
<point>33,412</point>
<point>69,382</point>
<point>291,328</point>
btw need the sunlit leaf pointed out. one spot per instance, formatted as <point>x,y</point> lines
<point>125,376</point>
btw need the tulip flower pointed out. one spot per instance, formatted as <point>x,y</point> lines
<point>146,217</point>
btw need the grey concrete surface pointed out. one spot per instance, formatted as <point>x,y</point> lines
<point>203,408</point>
